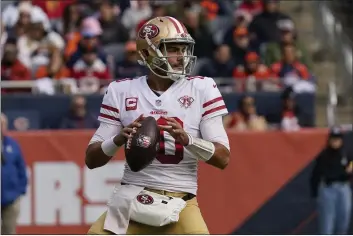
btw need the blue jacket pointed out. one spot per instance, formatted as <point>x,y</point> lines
<point>13,172</point>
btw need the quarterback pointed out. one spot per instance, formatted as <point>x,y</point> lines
<point>188,111</point>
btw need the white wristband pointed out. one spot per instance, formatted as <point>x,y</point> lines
<point>202,149</point>
<point>109,147</point>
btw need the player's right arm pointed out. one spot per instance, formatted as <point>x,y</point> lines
<point>105,143</point>
<point>110,135</point>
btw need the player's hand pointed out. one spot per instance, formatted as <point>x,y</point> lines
<point>175,130</point>
<point>128,132</point>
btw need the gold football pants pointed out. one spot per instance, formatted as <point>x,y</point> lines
<point>190,221</point>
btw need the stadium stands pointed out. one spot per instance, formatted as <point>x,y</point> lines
<point>49,55</point>
<point>61,43</point>
<point>50,109</point>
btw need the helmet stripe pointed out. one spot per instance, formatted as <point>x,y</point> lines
<point>184,28</point>
<point>180,25</point>
<point>176,24</point>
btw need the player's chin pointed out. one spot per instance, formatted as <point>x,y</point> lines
<point>178,69</point>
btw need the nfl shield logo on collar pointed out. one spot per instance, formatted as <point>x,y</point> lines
<point>158,103</point>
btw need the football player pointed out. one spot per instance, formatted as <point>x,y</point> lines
<point>188,111</point>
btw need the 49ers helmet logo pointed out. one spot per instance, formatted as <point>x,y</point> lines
<point>149,30</point>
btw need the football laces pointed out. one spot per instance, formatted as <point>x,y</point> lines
<point>129,140</point>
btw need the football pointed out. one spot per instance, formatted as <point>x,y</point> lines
<point>142,148</point>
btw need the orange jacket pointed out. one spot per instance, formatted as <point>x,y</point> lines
<point>300,69</point>
<point>211,8</point>
<point>42,72</point>
<point>262,73</point>
<point>73,40</point>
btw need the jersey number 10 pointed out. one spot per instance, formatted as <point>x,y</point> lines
<point>164,158</point>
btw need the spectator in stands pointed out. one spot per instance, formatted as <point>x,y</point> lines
<point>253,7</point>
<point>53,9</point>
<point>113,30</point>
<point>91,7</point>
<point>129,67</point>
<point>264,27</point>
<point>62,73</point>
<point>221,65</point>
<point>89,38</point>
<point>290,111</point>
<point>331,185</point>
<point>3,38</point>
<point>135,14</point>
<point>241,21</point>
<point>79,117</point>
<point>124,5</point>
<point>41,46</point>
<point>246,118</point>
<point>13,180</point>
<point>241,18</point>
<point>158,9</point>
<point>11,67</point>
<point>290,70</point>
<point>90,72</point>
<point>11,13</point>
<point>198,30</point>
<point>252,75</point>
<point>23,19</point>
<point>239,44</point>
<point>211,7</point>
<point>71,22</point>
<point>178,8</point>
<point>272,52</point>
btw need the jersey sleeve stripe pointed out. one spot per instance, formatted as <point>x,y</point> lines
<point>109,117</point>
<point>110,108</point>
<point>109,112</point>
<point>206,104</point>
<point>214,110</point>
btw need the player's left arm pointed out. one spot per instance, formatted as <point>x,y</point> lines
<point>213,131</point>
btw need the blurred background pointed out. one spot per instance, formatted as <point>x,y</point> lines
<point>284,69</point>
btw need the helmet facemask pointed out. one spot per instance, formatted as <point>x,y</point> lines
<point>159,64</point>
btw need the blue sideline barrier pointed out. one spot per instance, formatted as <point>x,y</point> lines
<point>51,109</point>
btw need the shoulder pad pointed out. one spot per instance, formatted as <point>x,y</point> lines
<point>123,85</point>
<point>201,82</point>
<point>128,81</point>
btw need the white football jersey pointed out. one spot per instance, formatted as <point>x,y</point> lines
<point>189,101</point>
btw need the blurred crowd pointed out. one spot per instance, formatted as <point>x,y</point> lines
<point>342,11</point>
<point>79,46</point>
